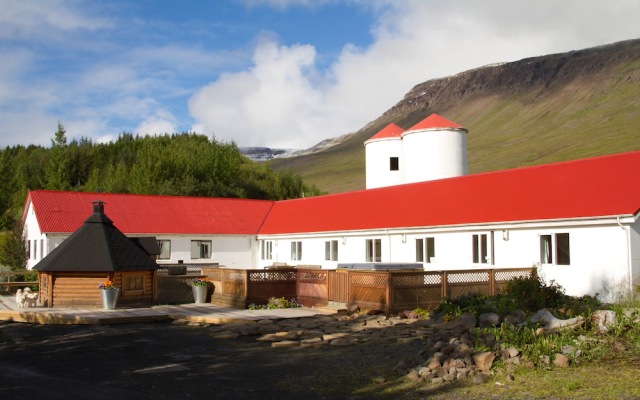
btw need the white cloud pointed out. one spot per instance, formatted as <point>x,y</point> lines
<point>28,18</point>
<point>284,101</point>
<point>159,123</point>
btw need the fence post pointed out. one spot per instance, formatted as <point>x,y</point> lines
<point>443,282</point>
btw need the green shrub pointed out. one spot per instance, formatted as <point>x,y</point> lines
<point>275,303</point>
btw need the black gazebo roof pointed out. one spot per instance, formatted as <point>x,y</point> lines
<point>97,246</point>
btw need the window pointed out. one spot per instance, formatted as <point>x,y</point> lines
<point>200,249</point>
<point>331,250</point>
<point>394,164</point>
<point>165,249</point>
<point>41,248</point>
<point>132,283</point>
<point>419,250</point>
<point>425,249</point>
<point>546,249</point>
<point>267,250</point>
<point>374,250</point>
<point>28,249</point>
<point>296,251</point>
<point>563,254</point>
<point>480,254</point>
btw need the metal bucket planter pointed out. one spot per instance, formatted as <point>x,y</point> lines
<point>200,293</point>
<point>109,298</point>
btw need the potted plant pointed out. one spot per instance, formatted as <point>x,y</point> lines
<point>109,295</point>
<point>200,287</point>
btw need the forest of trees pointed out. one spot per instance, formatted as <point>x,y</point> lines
<point>185,164</point>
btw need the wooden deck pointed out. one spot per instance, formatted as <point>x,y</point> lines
<point>206,313</point>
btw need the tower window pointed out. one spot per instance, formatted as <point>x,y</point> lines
<point>394,164</point>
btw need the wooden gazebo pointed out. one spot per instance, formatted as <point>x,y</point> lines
<point>71,273</point>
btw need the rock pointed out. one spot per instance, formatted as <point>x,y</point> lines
<point>342,342</point>
<point>422,371</point>
<point>552,324</point>
<point>225,335</point>
<point>478,379</point>
<point>545,360</point>
<point>515,318</point>
<point>437,381</point>
<point>285,343</point>
<point>463,323</point>
<point>379,380</point>
<point>561,360</point>
<point>486,320</point>
<point>413,375</point>
<point>602,320</point>
<point>434,364</point>
<point>483,360</point>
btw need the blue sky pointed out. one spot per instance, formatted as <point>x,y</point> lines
<point>278,73</point>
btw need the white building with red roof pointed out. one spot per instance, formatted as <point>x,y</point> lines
<point>577,220</point>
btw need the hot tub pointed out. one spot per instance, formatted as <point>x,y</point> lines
<point>381,266</point>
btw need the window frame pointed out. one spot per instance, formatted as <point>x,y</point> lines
<point>296,250</point>
<point>373,250</point>
<point>394,163</point>
<point>331,250</point>
<point>555,249</point>
<point>266,251</point>
<point>160,245</point>
<point>127,278</point>
<point>482,248</point>
<point>200,256</point>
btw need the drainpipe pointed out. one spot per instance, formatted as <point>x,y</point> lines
<point>629,266</point>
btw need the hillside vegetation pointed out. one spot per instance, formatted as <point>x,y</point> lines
<point>533,111</point>
<point>184,164</point>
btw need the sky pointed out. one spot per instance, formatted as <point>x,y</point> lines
<point>275,73</point>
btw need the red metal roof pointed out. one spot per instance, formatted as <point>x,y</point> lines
<point>434,121</point>
<point>143,214</point>
<point>601,186</point>
<point>390,131</point>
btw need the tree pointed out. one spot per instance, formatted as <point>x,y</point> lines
<point>56,172</point>
<point>13,250</point>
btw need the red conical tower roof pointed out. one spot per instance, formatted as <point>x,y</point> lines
<point>434,121</point>
<point>390,131</point>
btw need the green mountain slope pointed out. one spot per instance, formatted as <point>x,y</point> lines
<point>533,111</point>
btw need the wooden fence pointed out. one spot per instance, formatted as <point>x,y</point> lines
<point>241,287</point>
<point>10,281</point>
<point>388,291</point>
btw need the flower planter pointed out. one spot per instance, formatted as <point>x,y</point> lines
<point>199,294</point>
<point>109,298</point>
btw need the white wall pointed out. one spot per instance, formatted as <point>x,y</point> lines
<point>377,154</point>
<point>434,154</point>
<point>230,251</point>
<point>599,253</point>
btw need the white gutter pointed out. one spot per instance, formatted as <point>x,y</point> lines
<point>629,266</point>
<point>582,221</point>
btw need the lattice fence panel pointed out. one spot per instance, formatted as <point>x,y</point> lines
<point>263,276</point>
<point>234,276</point>
<point>468,277</point>
<point>368,280</point>
<point>504,276</point>
<point>312,276</point>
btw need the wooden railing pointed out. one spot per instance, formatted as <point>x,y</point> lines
<point>392,291</point>
<point>388,291</point>
<point>10,281</point>
<point>241,287</point>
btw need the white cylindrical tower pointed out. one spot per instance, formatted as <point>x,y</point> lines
<point>384,158</point>
<point>434,148</point>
